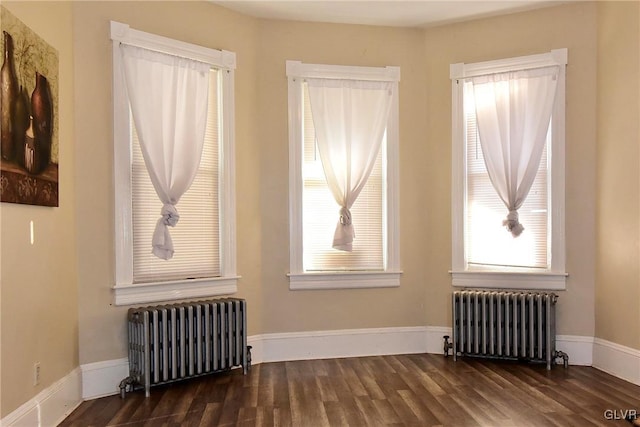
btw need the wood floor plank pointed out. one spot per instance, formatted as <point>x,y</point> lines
<point>422,412</point>
<point>385,410</point>
<point>335,414</point>
<point>211,415</point>
<point>406,415</point>
<point>457,414</point>
<point>352,378</point>
<point>325,386</point>
<point>401,390</point>
<point>435,406</point>
<point>471,410</point>
<point>352,412</point>
<point>306,405</point>
<point>340,388</point>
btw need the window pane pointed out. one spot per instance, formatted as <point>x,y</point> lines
<point>321,213</point>
<point>487,242</point>
<point>196,236</point>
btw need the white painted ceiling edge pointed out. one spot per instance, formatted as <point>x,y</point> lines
<point>395,13</point>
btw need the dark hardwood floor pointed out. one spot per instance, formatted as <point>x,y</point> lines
<point>415,390</point>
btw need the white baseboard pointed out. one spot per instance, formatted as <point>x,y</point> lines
<point>435,338</point>
<point>578,347</point>
<point>102,379</point>
<point>336,344</point>
<point>50,406</point>
<point>617,360</point>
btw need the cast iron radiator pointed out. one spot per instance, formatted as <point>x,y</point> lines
<point>519,325</point>
<point>173,342</point>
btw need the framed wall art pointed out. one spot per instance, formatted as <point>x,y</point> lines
<point>29,113</point>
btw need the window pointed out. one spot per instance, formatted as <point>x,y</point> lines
<point>204,239</point>
<point>484,253</point>
<point>373,261</point>
<point>319,212</point>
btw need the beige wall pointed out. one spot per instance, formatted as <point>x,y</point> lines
<point>39,300</point>
<point>342,45</point>
<point>618,167</point>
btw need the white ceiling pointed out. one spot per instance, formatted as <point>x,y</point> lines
<point>398,13</point>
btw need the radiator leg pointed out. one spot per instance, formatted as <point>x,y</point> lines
<point>447,345</point>
<point>564,356</point>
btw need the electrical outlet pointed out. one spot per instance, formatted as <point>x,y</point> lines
<point>36,373</point>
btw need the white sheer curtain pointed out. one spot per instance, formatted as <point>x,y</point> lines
<point>513,112</point>
<point>168,97</point>
<point>350,118</point>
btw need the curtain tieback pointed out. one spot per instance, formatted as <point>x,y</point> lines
<point>169,214</point>
<point>345,216</point>
<point>162,242</point>
<point>344,234</point>
<point>512,223</point>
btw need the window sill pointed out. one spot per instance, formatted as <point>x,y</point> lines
<point>344,280</point>
<point>509,280</point>
<point>174,290</point>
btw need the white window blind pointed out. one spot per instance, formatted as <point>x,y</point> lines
<point>486,242</point>
<point>197,237</point>
<point>320,211</point>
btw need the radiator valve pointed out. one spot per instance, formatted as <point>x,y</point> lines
<point>564,356</point>
<point>447,345</point>
<point>126,385</point>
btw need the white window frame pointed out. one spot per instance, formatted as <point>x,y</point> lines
<point>298,278</point>
<point>553,278</point>
<point>127,292</point>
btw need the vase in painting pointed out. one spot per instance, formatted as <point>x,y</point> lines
<point>42,112</point>
<point>20,124</point>
<point>8,94</point>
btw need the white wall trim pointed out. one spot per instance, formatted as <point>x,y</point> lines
<point>578,347</point>
<point>553,57</point>
<point>345,280</point>
<point>617,360</point>
<point>435,338</point>
<point>124,34</point>
<point>463,273</point>
<point>298,69</point>
<point>102,378</point>
<point>336,344</point>
<point>509,280</point>
<point>50,406</point>
<point>296,72</point>
<point>125,290</point>
<point>183,289</point>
